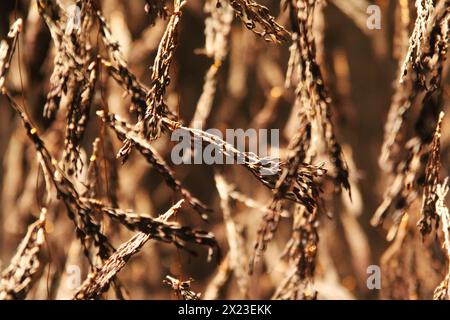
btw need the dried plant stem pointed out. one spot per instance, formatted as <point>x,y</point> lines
<point>17,279</point>
<point>237,254</point>
<point>98,282</point>
<point>257,18</point>
<point>182,288</point>
<point>442,292</point>
<point>126,133</point>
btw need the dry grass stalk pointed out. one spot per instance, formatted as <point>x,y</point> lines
<point>166,232</point>
<point>237,83</point>
<point>182,288</point>
<point>355,10</point>
<point>155,9</point>
<point>160,78</point>
<point>398,263</point>
<point>252,203</point>
<point>237,254</point>
<point>149,123</point>
<point>311,91</point>
<point>315,120</point>
<point>74,76</point>
<point>92,175</point>
<point>301,252</point>
<point>265,170</point>
<point>288,182</point>
<point>432,19</point>
<point>402,256</point>
<point>119,70</point>
<point>79,210</point>
<point>432,180</point>
<point>98,281</point>
<point>52,14</point>
<point>86,227</point>
<point>257,18</point>
<point>17,279</point>
<point>422,71</point>
<point>217,33</point>
<point>442,292</point>
<point>7,49</point>
<point>219,281</point>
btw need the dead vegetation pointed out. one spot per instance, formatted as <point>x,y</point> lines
<point>92,91</point>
